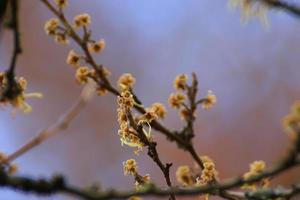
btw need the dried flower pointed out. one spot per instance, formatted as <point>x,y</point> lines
<point>126,81</point>
<point>82,20</point>
<point>73,58</point>
<point>130,167</point>
<point>176,100</point>
<point>184,175</point>
<point>256,168</point>
<point>61,38</point>
<point>18,101</point>
<point>82,74</point>
<point>209,101</point>
<point>291,122</point>
<point>148,116</point>
<point>96,47</point>
<point>184,114</point>
<point>159,110</point>
<point>61,3</point>
<point>180,82</point>
<point>51,26</point>
<point>209,173</point>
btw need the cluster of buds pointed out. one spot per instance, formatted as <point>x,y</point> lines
<point>209,172</point>
<point>256,168</point>
<point>185,176</point>
<point>291,122</point>
<point>54,28</point>
<point>184,91</point>
<point>126,102</point>
<point>130,168</point>
<point>17,100</point>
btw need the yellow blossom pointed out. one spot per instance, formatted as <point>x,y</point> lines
<point>51,26</point>
<point>209,172</point>
<point>251,8</point>
<point>209,101</point>
<point>18,101</point>
<point>256,168</point>
<point>148,116</point>
<point>184,175</point>
<point>159,109</point>
<point>180,82</point>
<point>82,20</point>
<point>73,58</point>
<point>126,81</point>
<point>61,38</point>
<point>101,91</point>
<point>176,100</point>
<point>61,3</point>
<point>96,47</point>
<point>130,167</point>
<point>82,74</point>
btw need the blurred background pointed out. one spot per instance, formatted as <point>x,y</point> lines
<point>253,70</point>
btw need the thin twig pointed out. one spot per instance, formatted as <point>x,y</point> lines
<point>282,5</point>
<point>60,125</point>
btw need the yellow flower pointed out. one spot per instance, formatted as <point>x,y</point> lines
<point>251,8</point>
<point>18,101</point>
<point>180,82</point>
<point>159,109</point>
<point>256,168</point>
<point>82,74</point>
<point>148,116</point>
<point>176,100</point>
<point>82,20</point>
<point>126,81</point>
<point>209,101</point>
<point>130,167</point>
<point>61,3</point>
<point>61,38</point>
<point>209,172</point>
<point>96,47</point>
<point>73,58</point>
<point>184,175</point>
<point>51,26</point>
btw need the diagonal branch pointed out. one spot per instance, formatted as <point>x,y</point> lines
<point>60,125</point>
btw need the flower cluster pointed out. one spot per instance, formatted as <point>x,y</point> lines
<point>291,122</point>
<point>209,172</point>
<point>209,101</point>
<point>251,8</point>
<point>127,134</point>
<point>18,99</point>
<point>52,28</point>
<point>256,168</point>
<point>130,168</point>
<point>184,176</point>
<point>185,92</point>
<point>126,81</point>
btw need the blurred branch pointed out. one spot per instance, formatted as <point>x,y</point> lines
<point>13,88</point>
<point>282,5</point>
<point>57,184</point>
<point>60,125</point>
